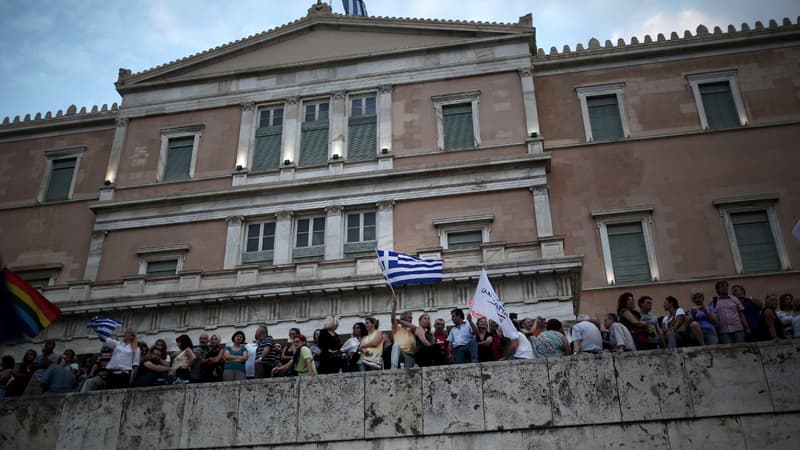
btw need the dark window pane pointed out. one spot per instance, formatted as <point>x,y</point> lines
<point>604,117</point>
<point>628,253</point>
<point>323,111</point>
<point>457,126</point>
<point>464,239</point>
<point>302,233</point>
<point>355,107</point>
<point>277,117</point>
<point>162,268</point>
<point>719,105</point>
<point>370,106</point>
<point>311,113</point>
<point>318,235</point>
<point>353,227</point>
<point>61,175</point>
<point>179,158</point>
<point>268,239</point>
<point>755,241</point>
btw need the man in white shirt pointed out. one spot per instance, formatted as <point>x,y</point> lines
<point>586,336</point>
<point>521,346</point>
<point>619,335</point>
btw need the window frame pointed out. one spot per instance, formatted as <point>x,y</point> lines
<point>643,215</point>
<point>154,254</point>
<point>695,80</point>
<point>245,236</point>
<point>354,246</point>
<point>473,98</point>
<point>195,131</point>
<point>756,203</point>
<point>55,155</point>
<point>617,89</point>
<point>445,226</point>
<point>308,251</point>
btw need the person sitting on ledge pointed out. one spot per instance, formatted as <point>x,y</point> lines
<point>619,335</point>
<point>586,336</point>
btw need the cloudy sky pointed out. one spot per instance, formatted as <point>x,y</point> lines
<point>54,53</point>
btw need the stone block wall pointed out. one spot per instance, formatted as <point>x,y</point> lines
<point>729,397</point>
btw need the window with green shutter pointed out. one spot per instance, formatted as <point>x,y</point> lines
<point>309,238</point>
<point>628,252</point>
<point>755,242</point>
<point>162,268</point>
<point>361,233</point>
<point>61,173</point>
<point>604,117</point>
<point>362,129</point>
<point>267,152</point>
<point>314,135</point>
<point>457,126</point>
<point>464,239</point>
<point>259,244</point>
<point>179,158</point>
<point>719,105</point>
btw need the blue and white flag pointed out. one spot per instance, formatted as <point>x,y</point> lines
<point>104,326</point>
<point>400,269</point>
<point>354,8</point>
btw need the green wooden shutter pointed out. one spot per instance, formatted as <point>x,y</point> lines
<point>457,126</point>
<point>61,174</point>
<point>267,154</point>
<point>628,253</point>
<point>362,138</point>
<point>314,143</point>
<point>756,243</point>
<point>464,239</point>
<point>604,117</point>
<point>162,268</point>
<point>718,103</point>
<point>179,158</point>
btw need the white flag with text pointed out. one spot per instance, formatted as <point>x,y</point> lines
<point>485,303</point>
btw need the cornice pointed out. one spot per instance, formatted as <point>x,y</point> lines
<point>72,119</point>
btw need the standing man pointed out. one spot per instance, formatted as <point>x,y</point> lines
<point>266,353</point>
<point>403,337</point>
<point>200,353</point>
<point>752,310</point>
<point>463,346</point>
<point>440,337</point>
<point>655,339</point>
<point>733,326</point>
<point>586,336</point>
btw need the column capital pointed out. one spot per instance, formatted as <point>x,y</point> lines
<point>525,72</point>
<point>338,95</point>
<point>122,122</point>
<point>236,220</point>
<point>283,215</point>
<point>335,210</point>
<point>292,100</point>
<point>540,189</point>
<point>384,205</point>
<point>248,106</point>
<point>385,89</point>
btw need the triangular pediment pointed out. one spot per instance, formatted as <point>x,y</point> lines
<point>318,40</point>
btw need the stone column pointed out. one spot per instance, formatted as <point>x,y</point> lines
<point>291,130</point>
<point>334,244</point>
<point>531,111</point>
<point>283,238</point>
<point>116,149</point>
<point>384,118</point>
<point>338,123</point>
<point>385,225</point>
<point>95,254</point>
<point>541,207</point>
<point>233,242</point>
<point>246,135</point>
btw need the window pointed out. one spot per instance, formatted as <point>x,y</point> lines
<point>457,120</point>
<point>163,268</point>
<point>361,232</point>
<point>627,243</point>
<point>464,232</point>
<point>718,100</point>
<point>603,112</point>
<point>178,153</point>
<point>267,153</point>
<point>309,238</point>
<point>754,234</point>
<point>260,243</point>
<point>314,135</point>
<point>362,129</point>
<point>61,169</point>
<point>39,276</point>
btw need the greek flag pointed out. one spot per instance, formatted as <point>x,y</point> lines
<point>104,326</point>
<point>354,8</point>
<point>400,269</point>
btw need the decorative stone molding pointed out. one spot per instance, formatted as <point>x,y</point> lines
<point>283,215</point>
<point>334,210</point>
<point>122,122</point>
<point>384,205</point>
<point>248,106</point>
<point>525,72</point>
<point>235,220</point>
<point>385,89</point>
<point>292,101</point>
<point>339,95</point>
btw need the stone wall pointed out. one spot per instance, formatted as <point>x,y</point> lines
<point>735,396</point>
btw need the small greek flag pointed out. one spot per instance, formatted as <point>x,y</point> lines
<point>400,269</point>
<point>354,8</point>
<point>104,326</point>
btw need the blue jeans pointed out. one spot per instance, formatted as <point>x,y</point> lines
<point>732,338</point>
<point>710,336</point>
<point>466,353</point>
<point>399,356</point>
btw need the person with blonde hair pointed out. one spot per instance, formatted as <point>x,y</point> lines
<point>124,360</point>
<point>330,347</point>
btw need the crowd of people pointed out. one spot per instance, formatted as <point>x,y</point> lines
<point>730,316</point>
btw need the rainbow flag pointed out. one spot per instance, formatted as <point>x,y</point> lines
<point>23,310</point>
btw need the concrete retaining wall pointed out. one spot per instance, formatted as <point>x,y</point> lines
<point>729,397</point>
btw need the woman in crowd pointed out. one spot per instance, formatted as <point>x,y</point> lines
<point>182,364</point>
<point>786,313</point>
<point>288,351</point>
<point>235,356</point>
<point>485,340</point>
<point>124,359</point>
<point>426,352</point>
<point>704,320</point>
<point>6,373</point>
<point>21,375</point>
<point>330,347</point>
<point>154,369</point>
<point>302,362</point>
<point>674,323</point>
<point>371,347</point>
<point>162,345</point>
<point>632,319</point>
<point>552,342</point>
<point>769,324</point>
<point>350,352</point>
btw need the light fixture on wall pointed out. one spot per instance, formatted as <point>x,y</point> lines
<point>335,156</point>
<point>286,162</point>
<point>239,167</point>
<point>107,182</point>
<point>384,151</point>
<point>534,134</point>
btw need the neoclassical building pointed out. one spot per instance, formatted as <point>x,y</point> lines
<point>251,183</point>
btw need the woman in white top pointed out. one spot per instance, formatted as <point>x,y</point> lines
<point>124,359</point>
<point>182,363</point>
<point>673,323</point>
